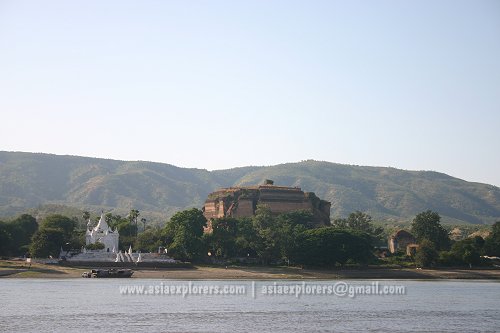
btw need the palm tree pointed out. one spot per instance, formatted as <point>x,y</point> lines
<point>133,215</point>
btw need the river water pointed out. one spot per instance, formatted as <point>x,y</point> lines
<point>100,305</point>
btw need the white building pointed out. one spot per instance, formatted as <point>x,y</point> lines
<point>102,233</point>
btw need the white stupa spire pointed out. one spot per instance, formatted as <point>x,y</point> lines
<point>104,234</point>
<point>103,225</point>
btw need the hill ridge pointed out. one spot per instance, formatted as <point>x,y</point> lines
<point>31,179</point>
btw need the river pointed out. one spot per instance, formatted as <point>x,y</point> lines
<point>100,305</point>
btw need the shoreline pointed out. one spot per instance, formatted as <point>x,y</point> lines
<point>13,269</point>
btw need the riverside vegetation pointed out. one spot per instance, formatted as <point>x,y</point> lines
<point>265,238</point>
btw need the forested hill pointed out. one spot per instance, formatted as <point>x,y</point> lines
<point>28,180</point>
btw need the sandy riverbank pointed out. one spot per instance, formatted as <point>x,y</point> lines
<point>16,269</point>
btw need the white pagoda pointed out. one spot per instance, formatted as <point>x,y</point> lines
<point>102,233</point>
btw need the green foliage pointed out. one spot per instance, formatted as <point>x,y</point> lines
<point>271,238</point>
<point>23,229</point>
<point>427,255</point>
<point>5,239</point>
<point>246,238</point>
<point>471,257</point>
<point>222,241</point>
<point>95,246</point>
<point>360,221</point>
<point>183,234</point>
<point>47,242</point>
<point>492,242</point>
<point>15,236</point>
<point>465,252</point>
<point>285,237</point>
<point>266,240</point>
<point>398,260</point>
<point>329,246</point>
<point>426,225</point>
<point>495,230</point>
<point>55,231</point>
<point>86,216</point>
<point>275,236</point>
<point>387,193</point>
<point>63,223</point>
<point>289,226</point>
<point>356,221</point>
<point>149,240</point>
<point>133,218</point>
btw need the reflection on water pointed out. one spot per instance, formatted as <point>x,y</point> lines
<point>83,305</point>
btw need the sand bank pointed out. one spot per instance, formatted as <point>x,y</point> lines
<point>13,269</point>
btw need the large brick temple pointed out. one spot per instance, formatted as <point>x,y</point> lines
<point>242,202</point>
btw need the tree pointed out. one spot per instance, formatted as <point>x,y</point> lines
<point>114,220</point>
<point>20,231</point>
<point>361,222</point>
<point>223,238</point>
<point>127,231</point>
<point>47,242</point>
<point>495,230</point>
<point>266,243</point>
<point>340,223</point>
<point>330,246</point>
<point>288,227</point>
<point>465,252</point>
<point>55,231</point>
<point>471,256</point>
<point>5,239</point>
<point>24,227</point>
<point>183,234</point>
<point>492,242</point>
<point>149,240</point>
<point>133,216</point>
<point>426,254</point>
<point>426,225</point>
<point>63,223</point>
<point>246,238</point>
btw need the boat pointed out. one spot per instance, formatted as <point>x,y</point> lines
<point>108,273</point>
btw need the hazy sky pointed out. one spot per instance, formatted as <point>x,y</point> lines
<point>218,84</point>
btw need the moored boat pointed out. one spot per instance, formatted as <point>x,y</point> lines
<point>108,273</point>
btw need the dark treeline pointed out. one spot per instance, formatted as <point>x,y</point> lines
<point>289,238</point>
<point>436,248</point>
<point>15,236</point>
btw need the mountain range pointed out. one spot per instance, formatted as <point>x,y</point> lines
<point>29,180</point>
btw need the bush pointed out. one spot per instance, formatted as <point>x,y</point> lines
<point>95,246</point>
<point>427,255</point>
<point>329,246</point>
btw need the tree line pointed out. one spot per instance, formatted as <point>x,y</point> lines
<point>437,249</point>
<point>266,238</point>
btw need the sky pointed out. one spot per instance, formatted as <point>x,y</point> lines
<point>219,84</point>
